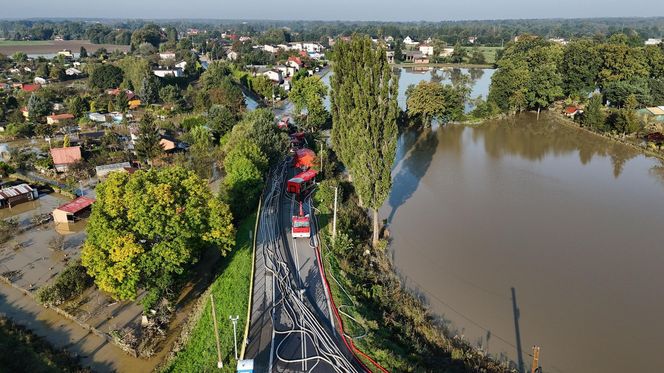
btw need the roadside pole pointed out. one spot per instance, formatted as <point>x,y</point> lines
<point>220,364</point>
<point>234,321</point>
<point>334,219</point>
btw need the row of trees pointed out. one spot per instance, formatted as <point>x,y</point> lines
<point>534,72</point>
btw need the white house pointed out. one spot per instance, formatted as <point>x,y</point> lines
<point>652,41</point>
<point>232,55</point>
<point>295,46</point>
<point>274,75</point>
<point>167,55</point>
<point>560,41</point>
<point>162,73</point>
<point>312,47</point>
<point>73,71</point>
<point>97,117</point>
<point>446,52</point>
<point>40,80</point>
<point>270,48</point>
<point>426,49</point>
<point>181,65</point>
<point>409,41</point>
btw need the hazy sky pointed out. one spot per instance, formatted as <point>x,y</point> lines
<point>386,10</point>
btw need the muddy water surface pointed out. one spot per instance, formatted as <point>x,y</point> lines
<point>568,221</point>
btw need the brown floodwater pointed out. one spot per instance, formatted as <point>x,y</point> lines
<point>560,224</point>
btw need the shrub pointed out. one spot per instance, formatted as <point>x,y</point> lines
<point>69,284</point>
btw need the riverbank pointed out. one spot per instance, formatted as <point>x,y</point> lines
<point>444,65</point>
<point>629,141</point>
<point>385,320</point>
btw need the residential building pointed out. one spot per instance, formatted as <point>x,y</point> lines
<point>472,39</point>
<point>390,56</point>
<point>172,145</point>
<point>295,62</point>
<point>652,41</point>
<point>39,80</point>
<point>72,211</point>
<point>167,55</point>
<point>65,157</point>
<point>30,87</point>
<point>447,52</point>
<point>270,48</point>
<point>232,55</point>
<point>561,41</point>
<point>72,71</point>
<point>97,117</point>
<point>66,53</point>
<point>426,49</point>
<point>57,118</point>
<point>656,113</point>
<point>415,57</point>
<point>181,65</point>
<point>409,41</point>
<point>274,75</point>
<point>312,47</point>
<point>104,170</point>
<point>162,73</point>
<point>11,196</point>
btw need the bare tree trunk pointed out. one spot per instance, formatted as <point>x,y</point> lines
<point>376,228</point>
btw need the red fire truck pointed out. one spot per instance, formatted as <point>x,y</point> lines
<point>301,227</point>
<point>301,182</point>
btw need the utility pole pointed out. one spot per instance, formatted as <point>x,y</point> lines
<point>220,364</point>
<point>334,219</point>
<point>234,320</point>
<point>535,368</point>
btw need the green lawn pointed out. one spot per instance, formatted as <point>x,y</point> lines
<point>13,43</point>
<point>231,293</point>
<point>490,53</point>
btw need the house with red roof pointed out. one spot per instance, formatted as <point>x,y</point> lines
<point>295,62</point>
<point>65,157</point>
<point>57,118</point>
<point>30,87</point>
<point>73,211</point>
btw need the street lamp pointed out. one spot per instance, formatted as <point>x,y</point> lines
<point>234,320</point>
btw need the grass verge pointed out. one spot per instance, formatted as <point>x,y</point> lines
<point>231,294</point>
<point>22,351</point>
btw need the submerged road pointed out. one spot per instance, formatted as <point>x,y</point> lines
<point>291,327</point>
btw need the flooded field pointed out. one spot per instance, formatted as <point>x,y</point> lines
<point>49,48</point>
<point>525,233</point>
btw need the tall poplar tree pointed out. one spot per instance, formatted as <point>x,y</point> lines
<point>364,112</point>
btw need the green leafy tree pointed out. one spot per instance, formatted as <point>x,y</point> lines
<point>149,91</point>
<point>147,229</point>
<point>430,101</point>
<point>477,57</point>
<point>579,67</point>
<point>170,94</point>
<point>38,106</point>
<point>308,93</point>
<point>263,86</point>
<point>76,105</point>
<point>593,116</point>
<point>121,101</point>
<point>217,71</point>
<point>148,144</point>
<point>245,164</point>
<point>364,112</point>
<point>83,53</point>
<point>57,73</point>
<point>621,63</point>
<point>135,70</point>
<point>106,77</point>
<point>221,120</point>
<point>227,94</point>
<point>459,55</point>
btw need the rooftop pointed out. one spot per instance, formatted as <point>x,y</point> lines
<point>76,205</point>
<point>67,155</point>
<point>14,191</point>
